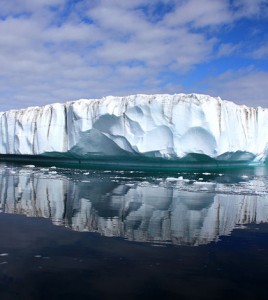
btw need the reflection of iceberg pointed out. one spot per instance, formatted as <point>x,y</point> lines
<point>138,211</point>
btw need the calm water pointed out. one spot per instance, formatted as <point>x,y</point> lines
<point>76,234</point>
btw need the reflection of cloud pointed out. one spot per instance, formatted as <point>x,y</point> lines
<point>59,50</point>
<point>140,212</point>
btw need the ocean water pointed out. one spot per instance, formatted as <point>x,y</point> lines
<point>101,234</point>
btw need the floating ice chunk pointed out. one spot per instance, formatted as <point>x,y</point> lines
<point>204,183</point>
<point>171,179</point>
<point>130,184</point>
<point>144,183</point>
<point>198,183</point>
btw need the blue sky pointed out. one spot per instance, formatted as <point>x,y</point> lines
<point>61,50</point>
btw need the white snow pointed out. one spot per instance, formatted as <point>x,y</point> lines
<point>167,126</point>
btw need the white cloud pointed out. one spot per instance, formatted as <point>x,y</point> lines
<point>200,13</point>
<point>244,86</point>
<point>261,52</point>
<point>73,33</point>
<point>121,50</point>
<point>132,36</point>
<point>227,49</point>
<point>105,47</point>
<point>18,6</point>
<point>249,8</point>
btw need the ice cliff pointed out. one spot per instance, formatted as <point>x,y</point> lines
<point>155,126</point>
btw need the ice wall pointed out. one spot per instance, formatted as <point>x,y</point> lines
<point>167,126</point>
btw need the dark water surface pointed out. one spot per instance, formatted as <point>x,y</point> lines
<point>74,234</point>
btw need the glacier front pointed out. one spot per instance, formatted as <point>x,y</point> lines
<point>164,128</point>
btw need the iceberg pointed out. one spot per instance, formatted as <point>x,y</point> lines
<point>138,129</point>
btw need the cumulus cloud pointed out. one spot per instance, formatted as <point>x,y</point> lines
<point>58,50</point>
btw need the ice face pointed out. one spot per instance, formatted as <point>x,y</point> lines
<point>158,126</point>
